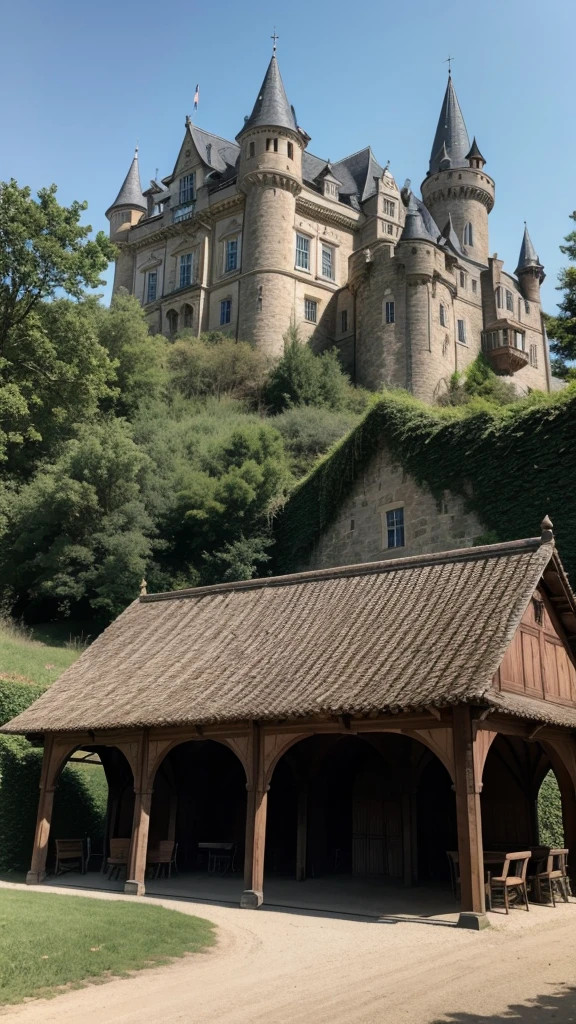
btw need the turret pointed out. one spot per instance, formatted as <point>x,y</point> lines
<point>270,175</point>
<point>529,271</point>
<point>456,185</point>
<point>126,210</point>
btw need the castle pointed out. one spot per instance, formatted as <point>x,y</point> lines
<point>248,237</point>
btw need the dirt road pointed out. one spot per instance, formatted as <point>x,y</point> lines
<point>273,967</point>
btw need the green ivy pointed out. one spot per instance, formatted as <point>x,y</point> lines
<point>511,465</point>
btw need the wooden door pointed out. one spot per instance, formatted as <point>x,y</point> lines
<point>376,828</point>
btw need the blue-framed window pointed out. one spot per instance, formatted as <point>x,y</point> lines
<point>225,311</point>
<point>151,286</point>
<point>311,311</point>
<point>395,527</point>
<point>390,313</point>
<point>328,262</point>
<point>186,266</point>
<point>231,254</point>
<point>302,252</point>
<point>186,192</point>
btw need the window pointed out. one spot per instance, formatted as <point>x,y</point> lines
<point>462,332</point>
<point>499,297</point>
<point>183,212</point>
<point>225,311</point>
<point>519,340</point>
<point>209,152</point>
<point>186,189</point>
<point>311,311</point>
<point>462,279</point>
<point>509,301</point>
<point>468,235</point>
<point>251,149</point>
<point>290,150</point>
<point>389,229</point>
<point>188,314</point>
<point>172,318</point>
<point>526,306</point>
<point>344,321</point>
<point>534,356</point>
<point>389,313</point>
<point>186,270</point>
<point>395,528</point>
<point>151,286</point>
<point>389,207</point>
<point>442,315</point>
<point>302,252</point>
<point>272,145</point>
<point>474,285</point>
<point>231,255</point>
<point>328,262</point>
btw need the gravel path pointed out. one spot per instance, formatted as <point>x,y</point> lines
<point>273,967</point>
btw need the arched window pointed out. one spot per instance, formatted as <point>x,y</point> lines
<point>172,320</point>
<point>188,317</point>
<point>468,234</point>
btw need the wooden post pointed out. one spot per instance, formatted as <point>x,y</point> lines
<point>469,821</point>
<point>253,894</point>
<point>37,871</point>
<point>301,833</point>
<point>134,884</point>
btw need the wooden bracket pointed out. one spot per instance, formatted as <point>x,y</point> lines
<point>535,732</point>
<point>435,712</point>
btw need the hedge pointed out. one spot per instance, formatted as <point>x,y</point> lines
<point>80,802</point>
<point>512,466</point>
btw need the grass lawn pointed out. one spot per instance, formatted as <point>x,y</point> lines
<point>47,940</point>
<point>25,660</point>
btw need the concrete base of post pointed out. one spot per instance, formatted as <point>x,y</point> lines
<point>35,877</point>
<point>476,922</point>
<point>133,888</point>
<point>251,899</point>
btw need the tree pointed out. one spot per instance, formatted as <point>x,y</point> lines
<point>562,328</point>
<point>139,357</point>
<point>214,364</point>
<point>303,378</point>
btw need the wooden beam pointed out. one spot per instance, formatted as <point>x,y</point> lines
<point>256,812</point>
<point>37,871</point>
<point>136,871</point>
<point>469,822</point>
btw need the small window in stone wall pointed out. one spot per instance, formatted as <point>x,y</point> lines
<point>442,315</point>
<point>251,149</point>
<point>509,301</point>
<point>462,332</point>
<point>534,356</point>
<point>474,285</point>
<point>311,311</point>
<point>344,321</point>
<point>389,312</point>
<point>290,150</point>
<point>395,528</point>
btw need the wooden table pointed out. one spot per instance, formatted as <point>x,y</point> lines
<point>218,853</point>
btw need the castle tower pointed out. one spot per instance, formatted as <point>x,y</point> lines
<point>126,210</point>
<point>456,185</point>
<point>529,271</point>
<point>270,176</point>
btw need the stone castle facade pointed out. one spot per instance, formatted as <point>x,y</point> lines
<point>248,237</point>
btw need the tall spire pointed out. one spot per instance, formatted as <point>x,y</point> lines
<point>528,257</point>
<point>272,107</point>
<point>131,192</point>
<point>451,132</point>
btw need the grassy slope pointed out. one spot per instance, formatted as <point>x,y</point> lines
<point>50,940</point>
<point>26,660</point>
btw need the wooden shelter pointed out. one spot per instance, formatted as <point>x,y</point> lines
<point>393,709</point>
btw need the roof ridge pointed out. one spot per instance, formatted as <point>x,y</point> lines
<point>229,142</point>
<point>350,155</point>
<point>360,569</point>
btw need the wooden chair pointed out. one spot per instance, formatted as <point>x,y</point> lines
<point>119,853</point>
<point>163,856</point>
<point>513,878</point>
<point>69,850</point>
<point>554,875</point>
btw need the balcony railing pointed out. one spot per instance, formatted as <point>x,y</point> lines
<point>183,212</point>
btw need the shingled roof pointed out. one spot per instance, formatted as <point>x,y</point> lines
<point>391,635</point>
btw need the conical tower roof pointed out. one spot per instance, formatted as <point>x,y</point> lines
<point>131,192</point>
<point>272,106</point>
<point>451,132</point>
<point>528,257</point>
<point>474,152</point>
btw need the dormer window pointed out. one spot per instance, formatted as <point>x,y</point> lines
<point>186,192</point>
<point>389,207</point>
<point>468,234</point>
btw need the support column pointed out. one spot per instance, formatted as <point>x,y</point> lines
<point>469,821</point>
<point>253,894</point>
<point>134,884</point>
<point>301,833</point>
<point>37,871</point>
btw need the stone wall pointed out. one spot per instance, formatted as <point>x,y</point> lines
<point>359,533</point>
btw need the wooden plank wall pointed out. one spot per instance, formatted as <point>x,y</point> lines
<point>539,662</point>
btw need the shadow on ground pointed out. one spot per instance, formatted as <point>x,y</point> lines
<point>558,1006</point>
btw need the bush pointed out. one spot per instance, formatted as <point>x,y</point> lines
<point>309,431</point>
<point>479,381</point>
<point>302,378</point>
<point>550,823</point>
<point>216,365</point>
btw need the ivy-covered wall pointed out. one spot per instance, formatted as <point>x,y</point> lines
<point>512,466</point>
<point>80,801</point>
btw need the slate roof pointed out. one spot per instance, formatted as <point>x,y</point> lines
<point>528,256</point>
<point>451,131</point>
<point>272,106</point>
<point>419,223</point>
<point>131,192</point>
<point>381,636</point>
<point>223,154</point>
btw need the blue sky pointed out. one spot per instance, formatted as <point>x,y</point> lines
<point>81,82</point>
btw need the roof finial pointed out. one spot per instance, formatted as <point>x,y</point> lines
<point>547,536</point>
<point>448,61</point>
<point>274,39</point>
<point>143,588</point>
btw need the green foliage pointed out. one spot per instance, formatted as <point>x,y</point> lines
<point>550,825</point>
<point>51,940</point>
<point>562,328</point>
<point>139,357</point>
<point>511,466</point>
<point>302,378</point>
<point>238,560</point>
<point>217,366</point>
<point>25,661</point>
<point>478,381</point>
<point>309,431</point>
